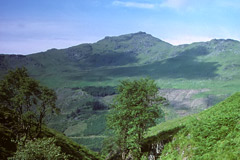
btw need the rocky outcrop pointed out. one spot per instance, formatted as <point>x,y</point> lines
<point>185,103</point>
<point>156,150</point>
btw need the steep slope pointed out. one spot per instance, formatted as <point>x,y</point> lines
<point>7,147</point>
<point>211,134</point>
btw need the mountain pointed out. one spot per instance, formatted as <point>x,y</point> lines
<point>133,55</point>
<point>193,77</point>
<point>130,49</point>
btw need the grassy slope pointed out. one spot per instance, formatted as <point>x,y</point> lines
<point>7,148</point>
<point>211,134</point>
<point>213,65</point>
<point>88,126</point>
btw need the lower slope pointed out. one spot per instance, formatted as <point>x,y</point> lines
<point>8,147</point>
<point>211,134</point>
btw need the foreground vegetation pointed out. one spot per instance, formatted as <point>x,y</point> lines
<point>9,147</point>
<point>24,108</point>
<point>211,134</point>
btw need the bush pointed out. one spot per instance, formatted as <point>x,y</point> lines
<point>42,149</point>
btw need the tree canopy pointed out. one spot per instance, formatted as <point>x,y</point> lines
<point>30,101</point>
<point>135,109</point>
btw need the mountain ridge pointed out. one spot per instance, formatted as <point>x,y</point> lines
<point>129,35</point>
<point>128,52</point>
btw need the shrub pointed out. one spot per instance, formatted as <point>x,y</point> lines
<point>42,149</point>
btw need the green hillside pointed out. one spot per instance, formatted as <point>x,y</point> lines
<point>135,55</point>
<point>211,134</point>
<point>85,64</point>
<point>82,117</point>
<point>132,55</point>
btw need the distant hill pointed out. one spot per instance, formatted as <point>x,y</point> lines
<point>77,61</point>
<point>192,76</point>
<point>132,55</point>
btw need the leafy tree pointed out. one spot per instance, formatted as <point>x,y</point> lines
<point>30,101</point>
<point>135,109</point>
<point>42,149</point>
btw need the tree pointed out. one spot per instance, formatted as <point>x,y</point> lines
<point>30,101</point>
<point>135,109</point>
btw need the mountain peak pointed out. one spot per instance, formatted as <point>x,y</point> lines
<point>127,36</point>
<point>138,43</point>
<point>139,33</point>
<point>138,37</point>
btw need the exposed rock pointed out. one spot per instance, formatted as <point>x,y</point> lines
<point>155,151</point>
<point>183,100</point>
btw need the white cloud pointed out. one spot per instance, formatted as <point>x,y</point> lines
<point>134,4</point>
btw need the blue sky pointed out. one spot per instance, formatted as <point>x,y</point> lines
<point>30,26</point>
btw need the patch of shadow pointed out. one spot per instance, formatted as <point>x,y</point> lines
<point>111,59</point>
<point>185,65</point>
<point>88,77</point>
<point>79,52</point>
<point>10,62</point>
